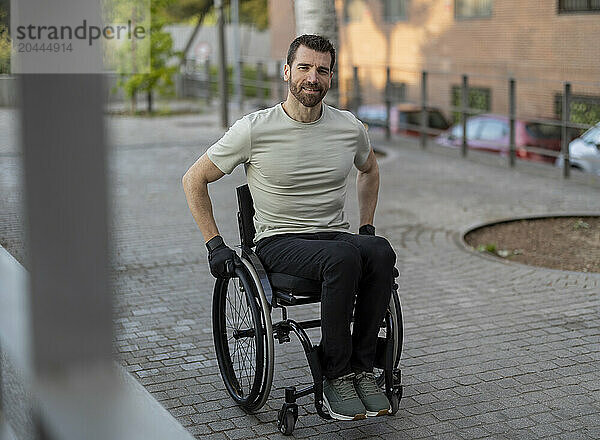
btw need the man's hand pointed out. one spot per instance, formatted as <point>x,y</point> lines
<point>221,258</point>
<point>366,230</point>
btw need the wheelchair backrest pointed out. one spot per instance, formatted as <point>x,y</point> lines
<point>245,216</point>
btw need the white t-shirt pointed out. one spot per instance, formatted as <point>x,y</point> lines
<point>296,171</point>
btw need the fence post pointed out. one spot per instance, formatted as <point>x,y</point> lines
<point>237,67</point>
<point>512,106</point>
<point>208,84</point>
<point>223,89</point>
<point>241,88</point>
<point>463,112</point>
<point>566,118</point>
<point>355,90</point>
<point>424,115</point>
<point>388,102</point>
<point>68,228</point>
<point>279,83</point>
<point>260,89</point>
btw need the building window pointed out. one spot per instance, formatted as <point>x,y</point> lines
<point>395,91</point>
<point>584,109</point>
<point>394,10</point>
<point>566,6</point>
<point>480,98</point>
<point>473,8</point>
<point>353,10</point>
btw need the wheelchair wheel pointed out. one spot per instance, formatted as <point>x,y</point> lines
<point>392,326</point>
<point>241,331</point>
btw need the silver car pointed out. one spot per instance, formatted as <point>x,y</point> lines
<point>584,152</point>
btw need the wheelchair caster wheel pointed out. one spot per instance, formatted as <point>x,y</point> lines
<point>286,419</point>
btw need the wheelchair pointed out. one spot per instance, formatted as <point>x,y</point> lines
<point>244,332</point>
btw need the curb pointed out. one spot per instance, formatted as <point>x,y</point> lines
<point>459,239</point>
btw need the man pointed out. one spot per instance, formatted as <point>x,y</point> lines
<point>297,156</point>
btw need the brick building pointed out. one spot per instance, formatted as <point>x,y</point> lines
<point>540,43</point>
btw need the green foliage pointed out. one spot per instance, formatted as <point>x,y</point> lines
<point>160,77</point>
<point>580,224</point>
<point>490,247</point>
<point>479,99</point>
<point>585,112</point>
<point>185,10</point>
<point>4,42</point>
<point>254,12</point>
<point>584,109</point>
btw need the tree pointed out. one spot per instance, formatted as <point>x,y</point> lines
<point>318,17</point>
<point>253,12</point>
<point>160,75</point>
<point>185,10</point>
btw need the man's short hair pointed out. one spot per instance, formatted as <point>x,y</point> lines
<point>314,42</point>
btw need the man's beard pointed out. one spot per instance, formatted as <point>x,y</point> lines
<point>308,99</point>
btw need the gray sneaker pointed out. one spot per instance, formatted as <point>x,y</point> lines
<point>376,403</point>
<point>341,400</point>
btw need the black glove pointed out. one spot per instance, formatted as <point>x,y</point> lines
<point>366,230</point>
<point>221,258</point>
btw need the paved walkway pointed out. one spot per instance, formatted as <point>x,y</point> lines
<point>491,349</point>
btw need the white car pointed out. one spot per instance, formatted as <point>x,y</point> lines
<point>584,152</point>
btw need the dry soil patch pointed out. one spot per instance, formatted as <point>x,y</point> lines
<point>565,243</point>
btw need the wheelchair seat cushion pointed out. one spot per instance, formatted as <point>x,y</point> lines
<point>294,284</point>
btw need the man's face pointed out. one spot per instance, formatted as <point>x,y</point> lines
<point>309,76</point>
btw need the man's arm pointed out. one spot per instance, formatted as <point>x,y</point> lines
<point>195,184</point>
<point>367,188</point>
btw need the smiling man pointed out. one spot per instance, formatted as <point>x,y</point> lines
<point>298,155</point>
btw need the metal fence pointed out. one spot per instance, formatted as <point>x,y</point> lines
<point>409,101</point>
<point>552,111</point>
<point>261,81</point>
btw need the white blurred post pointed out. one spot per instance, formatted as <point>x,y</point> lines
<point>237,56</point>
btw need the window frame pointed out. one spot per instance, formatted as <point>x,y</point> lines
<point>391,19</point>
<point>485,94</point>
<point>458,17</point>
<point>561,11</point>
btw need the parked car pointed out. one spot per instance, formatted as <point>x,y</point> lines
<point>584,151</point>
<point>405,118</point>
<point>492,133</point>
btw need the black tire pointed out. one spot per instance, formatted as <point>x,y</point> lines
<point>239,338</point>
<point>268,339</point>
<point>395,403</point>
<point>392,323</point>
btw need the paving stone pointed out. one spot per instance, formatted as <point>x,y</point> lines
<point>473,433</point>
<point>545,429</point>
<point>221,425</point>
<point>490,349</point>
<point>237,434</point>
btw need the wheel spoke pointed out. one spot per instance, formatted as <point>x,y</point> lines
<point>241,323</point>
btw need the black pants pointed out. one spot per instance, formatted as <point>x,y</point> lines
<point>348,265</point>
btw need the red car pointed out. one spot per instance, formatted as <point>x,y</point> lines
<point>405,118</point>
<point>492,133</point>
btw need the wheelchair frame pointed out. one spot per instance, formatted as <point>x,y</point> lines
<point>257,292</point>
